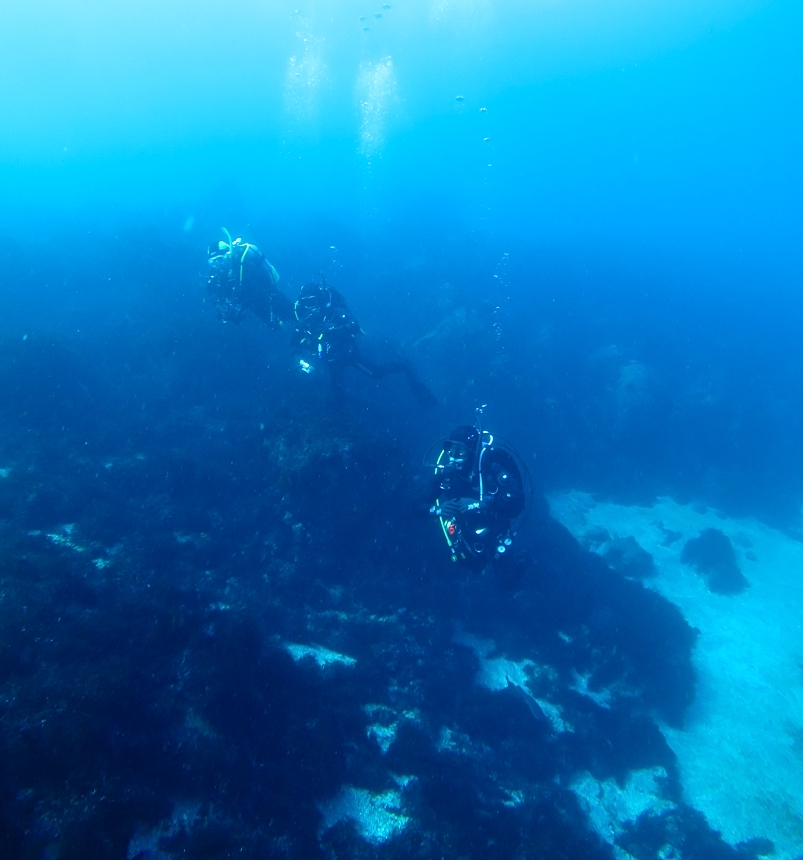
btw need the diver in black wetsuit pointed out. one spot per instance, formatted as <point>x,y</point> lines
<point>477,493</point>
<point>240,278</point>
<point>326,332</point>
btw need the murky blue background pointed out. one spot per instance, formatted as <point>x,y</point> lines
<point>634,172</point>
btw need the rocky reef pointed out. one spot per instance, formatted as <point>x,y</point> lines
<point>223,633</point>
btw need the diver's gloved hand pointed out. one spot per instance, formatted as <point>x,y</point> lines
<point>458,506</point>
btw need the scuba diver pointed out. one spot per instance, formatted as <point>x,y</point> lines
<point>326,333</point>
<point>241,279</point>
<point>477,494</point>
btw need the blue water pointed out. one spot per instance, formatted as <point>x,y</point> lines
<point>585,215</point>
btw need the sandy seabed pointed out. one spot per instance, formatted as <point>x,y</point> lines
<point>740,753</point>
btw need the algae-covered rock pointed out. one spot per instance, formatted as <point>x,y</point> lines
<point>628,557</point>
<point>713,556</point>
<point>341,481</point>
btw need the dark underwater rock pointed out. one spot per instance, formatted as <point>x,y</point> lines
<point>342,485</point>
<point>758,847</point>
<point>670,536</point>
<point>686,830</point>
<point>713,556</point>
<point>627,557</point>
<point>151,708</point>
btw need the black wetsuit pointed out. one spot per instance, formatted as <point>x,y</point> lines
<point>482,534</point>
<point>326,331</point>
<point>243,280</point>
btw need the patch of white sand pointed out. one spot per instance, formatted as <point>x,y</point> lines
<point>386,724</point>
<point>378,817</point>
<point>322,656</point>
<point>499,673</point>
<point>610,806</point>
<point>741,751</point>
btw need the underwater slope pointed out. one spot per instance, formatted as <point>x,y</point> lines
<point>224,634</point>
<point>203,660</point>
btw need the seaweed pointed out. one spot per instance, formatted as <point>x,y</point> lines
<point>713,556</point>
